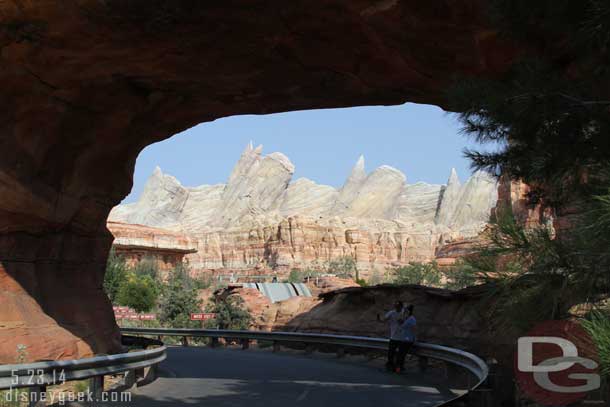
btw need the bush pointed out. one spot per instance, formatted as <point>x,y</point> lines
<point>344,267</point>
<point>147,267</point>
<point>461,275</point>
<point>230,313</point>
<point>116,274</point>
<point>203,282</point>
<point>179,299</point>
<point>418,273</point>
<point>295,276</point>
<point>138,292</point>
<point>362,282</point>
<point>598,326</point>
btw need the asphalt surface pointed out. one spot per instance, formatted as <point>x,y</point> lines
<point>200,376</point>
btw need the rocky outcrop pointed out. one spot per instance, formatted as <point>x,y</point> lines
<point>444,317</point>
<point>449,253</point>
<point>261,220</point>
<point>87,85</point>
<point>137,242</point>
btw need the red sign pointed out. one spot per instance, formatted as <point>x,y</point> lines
<point>202,316</point>
<point>147,317</point>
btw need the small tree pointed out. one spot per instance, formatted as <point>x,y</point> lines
<point>344,267</point>
<point>230,313</point>
<point>295,276</point>
<point>147,267</point>
<point>138,292</point>
<point>418,273</point>
<point>179,299</point>
<point>116,274</point>
<point>461,275</point>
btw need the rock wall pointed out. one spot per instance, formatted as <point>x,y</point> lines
<point>87,85</point>
<point>135,243</point>
<point>444,317</point>
<point>262,220</point>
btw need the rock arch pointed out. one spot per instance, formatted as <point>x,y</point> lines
<point>87,84</point>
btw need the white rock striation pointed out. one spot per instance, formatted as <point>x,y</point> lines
<point>377,217</point>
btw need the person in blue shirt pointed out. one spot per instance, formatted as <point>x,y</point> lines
<point>395,318</point>
<point>406,333</point>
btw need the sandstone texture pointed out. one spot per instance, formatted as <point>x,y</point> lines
<point>261,219</point>
<point>86,85</point>
<point>444,317</point>
<point>137,242</point>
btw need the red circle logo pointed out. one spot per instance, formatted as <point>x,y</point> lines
<point>556,363</point>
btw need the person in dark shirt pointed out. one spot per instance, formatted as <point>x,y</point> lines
<point>406,336</point>
<point>395,318</point>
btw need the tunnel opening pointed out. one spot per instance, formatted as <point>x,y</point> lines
<point>292,219</point>
<point>89,85</point>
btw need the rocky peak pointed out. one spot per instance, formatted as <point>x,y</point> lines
<point>352,185</point>
<point>449,200</point>
<point>160,204</point>
<point>260,191</point>
<point>377,194</point>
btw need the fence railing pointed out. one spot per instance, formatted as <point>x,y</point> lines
<point>139,366</point>
<point>474,365</point>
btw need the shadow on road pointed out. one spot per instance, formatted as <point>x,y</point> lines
<point>231,377</point>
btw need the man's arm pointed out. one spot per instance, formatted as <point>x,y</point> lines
<point>384,317</point>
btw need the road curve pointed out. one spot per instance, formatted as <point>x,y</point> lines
<point>200,376</point>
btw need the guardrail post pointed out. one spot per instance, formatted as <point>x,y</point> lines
<point>35,396</point>
<point>96,388</point>
<point>451,370</point>
<point>245,344</point>
<point>149,375</point>
<point>423,364</point>
<point>340,352</point>
<point>130,379</point>
<point>214,343</point>
<point>309,349</point>
<point>276,346</point>
<point>185,341</point>
<point>160,337</point>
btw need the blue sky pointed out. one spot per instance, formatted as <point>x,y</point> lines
<point>420,140</point>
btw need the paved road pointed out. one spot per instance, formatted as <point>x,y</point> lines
<point>233,377</point>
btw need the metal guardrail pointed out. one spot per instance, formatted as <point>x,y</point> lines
<point>472,363</point>
<point>139,368</point>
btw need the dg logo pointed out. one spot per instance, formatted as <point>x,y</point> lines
<point>556,363</point>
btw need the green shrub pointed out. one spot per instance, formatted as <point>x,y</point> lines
<point>81,386</point>
<point>179,299</point>
<point>138,292</point>
<point>230,313</point>
<point>418,273</point>
<point>147,267</point>
<point>116,274</point>
<point>203,282</point>
<point>461,275</point>
<point>598,326</point>
<point>361,282</point>
<point>295,276</point>
<point>344,267</point>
